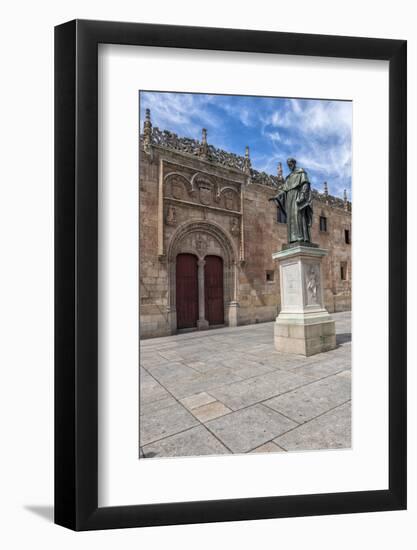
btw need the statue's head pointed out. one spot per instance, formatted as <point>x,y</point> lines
<point>291,163</point>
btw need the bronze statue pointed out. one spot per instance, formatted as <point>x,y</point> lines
<point>295,200</point>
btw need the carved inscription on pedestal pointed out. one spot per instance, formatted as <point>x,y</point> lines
<point>291,285</point>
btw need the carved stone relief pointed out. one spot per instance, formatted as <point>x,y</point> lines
<point>171,216</point>
<point>234,226</point>
<point>201,243</point>
<point>312,285</point>
<point>229,201</point>
<point>177,189</point>
<point>205,195</point>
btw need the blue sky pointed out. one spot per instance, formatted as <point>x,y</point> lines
<point>318,133</point>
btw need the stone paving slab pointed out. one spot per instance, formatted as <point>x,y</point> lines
<point>256,389</point>
<point>164,422</point>
<point>151,391</point>
<point>151,407</point>
<point>210,411</point>
<point>269,447</point>
<point>314,399</point>
<point>244,430</point>
<point>197,400</point>
<point>170,372</point>
<point>194,442</point>
<point>184,387</point>
<point>245,368</point>
<point>333,365</point>
<point>331,430</point>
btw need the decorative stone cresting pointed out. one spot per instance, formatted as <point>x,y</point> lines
<point>169,140</point>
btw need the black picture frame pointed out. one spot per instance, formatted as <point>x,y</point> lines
<point>76,272</point>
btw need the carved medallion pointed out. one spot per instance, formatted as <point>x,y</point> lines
<point>177,189</point>
<point>205,195</point>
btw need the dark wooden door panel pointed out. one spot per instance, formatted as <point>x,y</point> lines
<point>186,291</point>
<point>213,290</point>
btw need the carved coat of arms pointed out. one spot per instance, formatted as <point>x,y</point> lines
<point>201,244</point>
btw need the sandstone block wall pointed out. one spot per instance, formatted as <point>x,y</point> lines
<point>242,214</point>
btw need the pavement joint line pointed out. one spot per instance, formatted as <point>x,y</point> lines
<point>261,402</point>
<point>311,419</point>
<point>279,446</point>
<point>198,420</point>
<point>294,368</point>
<point>269,441</point>
<point>179,403</point>
<point>279,412</point>
<point>167,437</point>
<point>298,387</point>
<point>265,374</point>
<point>216,436</point>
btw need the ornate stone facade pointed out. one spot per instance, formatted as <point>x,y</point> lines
<point>198,200</point>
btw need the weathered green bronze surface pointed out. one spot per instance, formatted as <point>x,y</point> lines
<point>295,200</point>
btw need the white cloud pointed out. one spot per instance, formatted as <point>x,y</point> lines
<point>318,116</point>
<point>237,110</point>
<point>186,113</point>
<point>320,137</point>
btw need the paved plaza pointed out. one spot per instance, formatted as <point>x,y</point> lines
<point>227,391</point>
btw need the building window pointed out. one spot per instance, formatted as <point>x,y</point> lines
<point>343,271</point>
<point>270,276</point>
<point>281,217</point>
<point>323,223</point>
<point>347,236</point>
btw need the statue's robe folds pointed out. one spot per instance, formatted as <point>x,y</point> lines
<point>296,202</point>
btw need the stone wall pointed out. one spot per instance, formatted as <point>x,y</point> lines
<point>190,203</point>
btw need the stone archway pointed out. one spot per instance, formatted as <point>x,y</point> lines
<point>203,238</point>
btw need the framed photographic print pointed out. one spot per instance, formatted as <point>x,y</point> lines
<point>230,275</point>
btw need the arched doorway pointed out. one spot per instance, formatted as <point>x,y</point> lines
<point>213,290</point>
<point>187,291</point>
<point>205,242</point>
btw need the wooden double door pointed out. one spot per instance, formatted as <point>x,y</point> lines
<point>188,291</point>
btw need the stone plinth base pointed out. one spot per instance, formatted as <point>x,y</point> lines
<point>304,339</point>
<point>303,326</point>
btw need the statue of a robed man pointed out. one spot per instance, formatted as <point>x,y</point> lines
<point>295,200</point>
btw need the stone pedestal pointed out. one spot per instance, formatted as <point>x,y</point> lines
<point>303,326</point>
